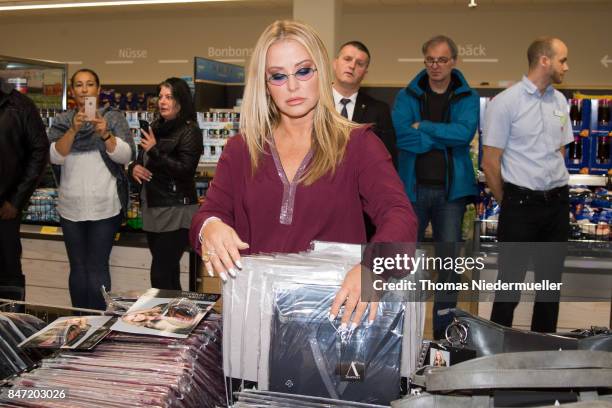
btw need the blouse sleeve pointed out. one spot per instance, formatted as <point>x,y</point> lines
<point>382,193</point>
<point>219,201</point>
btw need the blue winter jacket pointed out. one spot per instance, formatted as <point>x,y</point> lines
<point>453,137</point>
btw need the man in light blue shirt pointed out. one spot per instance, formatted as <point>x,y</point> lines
<point>526,129</point>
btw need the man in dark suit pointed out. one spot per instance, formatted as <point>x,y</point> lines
<point>350,67</point>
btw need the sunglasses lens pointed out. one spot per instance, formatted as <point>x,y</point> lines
<point>304,74</point>
<point>278,79</point>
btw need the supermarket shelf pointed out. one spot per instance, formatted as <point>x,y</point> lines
<point>588,180</point>
<point>215,142</point>
<point>49,230</point>
<point>206,166</point>
<point>592,180</point>
<point>128,238</point>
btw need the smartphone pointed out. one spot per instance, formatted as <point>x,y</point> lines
<point>144,125</point>
<point>91,103</point>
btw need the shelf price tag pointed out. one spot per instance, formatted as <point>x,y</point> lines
<point>49,230</point>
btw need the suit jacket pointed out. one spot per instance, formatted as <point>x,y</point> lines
<point>370,110</point>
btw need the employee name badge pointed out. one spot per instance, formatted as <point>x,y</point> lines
<point>562,116</point>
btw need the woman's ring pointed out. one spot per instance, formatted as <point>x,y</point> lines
<point>207,254</point>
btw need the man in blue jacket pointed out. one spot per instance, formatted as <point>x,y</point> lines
<point>435,119</point>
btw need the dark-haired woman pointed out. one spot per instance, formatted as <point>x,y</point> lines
<point>166,168</point>
<point>93,195</point>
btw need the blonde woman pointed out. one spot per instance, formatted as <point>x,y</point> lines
<point>298,171</point>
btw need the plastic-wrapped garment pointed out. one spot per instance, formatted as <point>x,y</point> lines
<point>257,398</point>
<point>310,356</point>
<point>243,301</point>
<point>246,343</point>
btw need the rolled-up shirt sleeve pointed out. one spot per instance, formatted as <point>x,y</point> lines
<point>122,153</point>
<point>54,156</point>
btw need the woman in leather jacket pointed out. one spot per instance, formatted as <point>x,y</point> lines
<point>165,168</point>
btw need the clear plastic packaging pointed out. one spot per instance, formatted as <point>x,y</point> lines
<point>252,347</point>
<point>310,355</point>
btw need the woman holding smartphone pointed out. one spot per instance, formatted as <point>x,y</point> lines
<point>90,150</point>
<point>165,168</point>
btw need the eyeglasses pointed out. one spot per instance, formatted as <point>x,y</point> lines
<point>440,61</point>
<point>302,74</point>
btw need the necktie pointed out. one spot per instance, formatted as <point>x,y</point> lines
<point>344,102</point>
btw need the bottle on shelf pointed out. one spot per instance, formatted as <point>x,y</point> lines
<point>575,148</point>
<point>603,124</point>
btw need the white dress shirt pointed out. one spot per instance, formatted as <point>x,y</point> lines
<point>531,128</point>
<point>88,190</point>
<point>350,107</point>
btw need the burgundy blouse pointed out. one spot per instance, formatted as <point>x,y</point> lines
<point>273,215</point>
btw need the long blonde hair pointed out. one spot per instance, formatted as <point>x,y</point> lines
<point>260,116</point>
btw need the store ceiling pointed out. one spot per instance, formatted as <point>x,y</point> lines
<point>357,5</point>
<point>212,6</point>
<point>464,2</point>
<point>369,4</point>
<point>200,4</point>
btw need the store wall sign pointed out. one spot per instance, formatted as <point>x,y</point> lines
<point>215,52</point>
<point>216,71</point>
<point>605,61</point>
<point>472,50</point>
<point>466,51</point>
<point>132,53</point>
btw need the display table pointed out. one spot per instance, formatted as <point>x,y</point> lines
<point>46,268</point>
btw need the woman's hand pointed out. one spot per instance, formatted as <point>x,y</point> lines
<point>78,120</point>
<point>349,295</point>
<point>220,249</point>
<point>148,139</point>
<point>100,125</point>
<point>141,174</point>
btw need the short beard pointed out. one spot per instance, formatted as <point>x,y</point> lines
<point>557,79</point>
